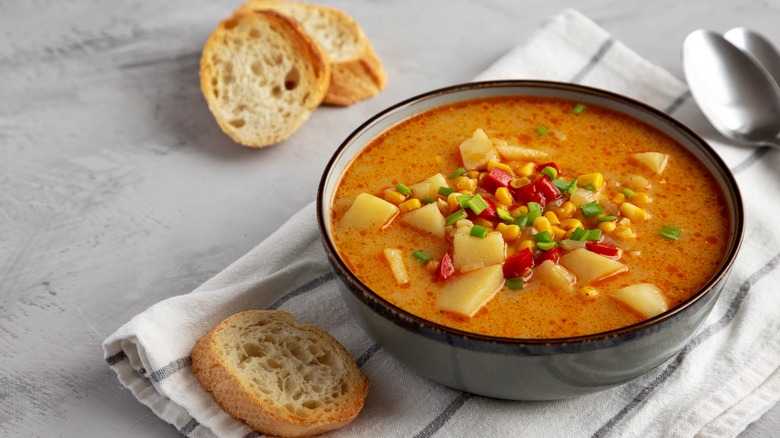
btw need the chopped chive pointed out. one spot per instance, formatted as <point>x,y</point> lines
<point>550,171</point>
<point>593,234</point>
<point>670,232</point>
<point>607,218</point>
<point>628,193</point>
<point>521,221</point>
<point>515,283</point>
<point>454,217</point>
<point>479,231</point>
<point>579,234</point>
<point>541,130</point>
<point>590,187</point>
<point>567,187</point>
<point>545,246</point>
<point>445,191</point>
<point>463,200</point>
<point>543,237</point>
<point>591,209</point>
<point>534,211</point>
<point>406,191</point>
<point>504,215</point>
<point>426,200</point>
<point>421,256</point>
<point>458,172</point>
<point>579,108</point>
<point>477,204</point>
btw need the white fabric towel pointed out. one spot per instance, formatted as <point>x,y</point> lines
<point>723,380</point>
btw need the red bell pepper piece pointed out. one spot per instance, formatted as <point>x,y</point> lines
<point>610,251</point>
<point>542,191</point>
<point>539,167</point>
<point>518,263</point>
<point>446,269</point>
<point>553,255</point>
<point>496,178</point>
<point>488,213</point>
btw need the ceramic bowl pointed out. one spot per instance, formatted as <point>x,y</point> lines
<point>527,369</point>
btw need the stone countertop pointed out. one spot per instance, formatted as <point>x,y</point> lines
<point>118,190</point>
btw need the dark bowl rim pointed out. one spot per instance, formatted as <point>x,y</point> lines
<point>449,334</point>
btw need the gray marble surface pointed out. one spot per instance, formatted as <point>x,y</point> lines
<point>118,190</point>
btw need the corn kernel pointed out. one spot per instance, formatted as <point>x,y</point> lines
<point>624,232</point>
<point>543,224</point>
<point>527,169</point>
<point>618,198</point>
<point>552,218</point>
<point>432,265</point>
<point>567,210</point>
<point>571,223</point>
<point>465,183</point>
<point>509,232</point>
<point>634,213</point>
<point>558,232</point>
<point>452,201</point>
<point>519,210</point>
<point>493,164</point>
<point>590,292</point>
<point>474,174</point>
<point>394,196</point>
<point>596,179</point>
<point>607,227</point>
<point>503,196</point>
<point>516,183</point>
<point>483,222</point>
<point>527,243</point>
<point>409,205</point>
<point>641,199</point>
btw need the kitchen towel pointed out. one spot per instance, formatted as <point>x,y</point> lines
<point>725,378</point>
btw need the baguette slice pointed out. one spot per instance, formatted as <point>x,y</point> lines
<point>262,76</point>
<point>278,376</point>
<point>357,72</point>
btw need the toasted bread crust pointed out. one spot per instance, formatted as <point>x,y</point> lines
<point>357,71</point>
<point>262,75</point>
<point>243,358</point>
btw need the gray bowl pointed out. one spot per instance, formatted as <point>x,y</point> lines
<point>527,369</point>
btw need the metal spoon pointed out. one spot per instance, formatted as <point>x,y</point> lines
<point>756,45</point>
<point>737,95</point>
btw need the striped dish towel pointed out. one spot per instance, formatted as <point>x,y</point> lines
<point>725,378</point>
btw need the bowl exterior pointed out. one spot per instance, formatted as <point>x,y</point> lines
<point>514,368</point>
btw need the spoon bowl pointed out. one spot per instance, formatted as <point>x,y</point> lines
<point>735,93</point>
<point>760,48</point>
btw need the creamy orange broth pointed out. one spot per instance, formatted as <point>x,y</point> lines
<point>684,196</point>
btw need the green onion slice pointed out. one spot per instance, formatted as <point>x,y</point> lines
<point>463,200</point>
<point>521,221</point>
<point>515,283</point>
<point>606,218</point>
<point>591,209</point>
<point>534,211</point>
<point>479,231</point>
<point>421,256</point>
<point>579,108</point>
<point>543,237</point>
<point>670,232</point>
<point>458,172</point>
<point>545,246</point>
<point>594,234</point>
<point>454,217</point>
<point>566,187</point>
<point>477,204</point>
<point>445,191</point>
<point>406,191</point>
<point>541,130</point>
<point>426,200</point>
<point>590,187</point>
<point>549,171</point>
<point>504,215</point>
<point>628,193</point>
<point>579,234</point>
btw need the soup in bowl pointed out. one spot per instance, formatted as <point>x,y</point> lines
<point>527,239</point>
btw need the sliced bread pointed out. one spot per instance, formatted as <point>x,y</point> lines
<point>262,76</point>
<point>357,72</point>
<point>278,376</point>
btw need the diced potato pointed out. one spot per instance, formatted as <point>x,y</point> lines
<point>555,275</point>
<point>637,183</point>
<point>477,151</point>
<point>428,219</point>
<point>654,161</point>
<point>429,188</point>
<point>466,294</point>
<point>644,298</point>
<point>369,212</point>
<point>589,266</point>
<point>395,259</point>
<point>516,153</point>
<point>469,250</point>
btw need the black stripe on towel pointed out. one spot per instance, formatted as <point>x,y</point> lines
<point>594,60</point>
<point>448,412</point>
<point>116,358</point>
<point>170,369</point>
<point>705,334</point>
<point>751,159</point>
<point>319,281</point>
<point>189,426</point>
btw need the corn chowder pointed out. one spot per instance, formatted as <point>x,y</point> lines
<point>529,217</point>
